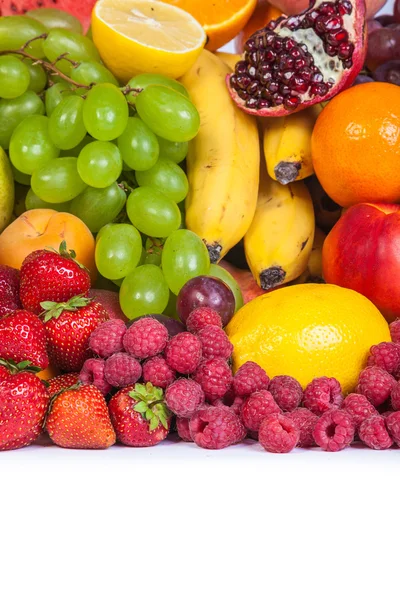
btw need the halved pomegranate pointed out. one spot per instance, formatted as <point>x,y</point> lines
<point>301,60</point>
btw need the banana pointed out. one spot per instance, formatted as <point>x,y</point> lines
<point>279,241</point>
<point>229,59</point>
<point>223,160</point>
<point>287,145</point>
<point>313,273</point>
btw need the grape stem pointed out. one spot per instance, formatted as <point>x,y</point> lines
<point>48,67</point>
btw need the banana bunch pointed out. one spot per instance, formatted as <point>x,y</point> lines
<point>223,160</point>
<point>287,145</point>
<point>279,241</point>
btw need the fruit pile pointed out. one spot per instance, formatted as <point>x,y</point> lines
<point>172,220</point>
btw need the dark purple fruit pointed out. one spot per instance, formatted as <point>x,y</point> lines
<point>206,291</point>
<point>383,45</point>
<point>174,327</point>
<point>389,72</point>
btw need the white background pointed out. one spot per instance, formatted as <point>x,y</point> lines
<point>179,522</point>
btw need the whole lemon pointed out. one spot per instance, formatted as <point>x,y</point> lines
<point>308,331</point>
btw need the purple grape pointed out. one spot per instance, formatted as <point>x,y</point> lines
<point>397,11</point>
<point>385,19</point>
<point>372,25</point>
<point>383,45</point>
<point>362,79</point>
<point>389,72</point>
<point>206,291</point>
<point>174,327</point>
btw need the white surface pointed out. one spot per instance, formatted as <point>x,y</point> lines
<point>179,522</point>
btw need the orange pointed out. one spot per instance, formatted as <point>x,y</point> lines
<point>221,19</point>
<point>356,145</point>
<point>263,14</point>
<point>42,228</point>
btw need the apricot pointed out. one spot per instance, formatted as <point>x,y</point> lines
<point>43,228</point>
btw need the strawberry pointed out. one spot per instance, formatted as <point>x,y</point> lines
<point>61,382</point>
<point>79,419</point>
<point>24,401</point>
<point>9,290</point>
<point>47,275</point>
<point>140,415</point>
<point>68,328</point>
<point>23,337</point>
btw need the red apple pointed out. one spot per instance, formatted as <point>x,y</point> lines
<point>362,252</point>
<point>245,280</point>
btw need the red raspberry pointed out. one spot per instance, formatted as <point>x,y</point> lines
<point>214,342</point>
<point>258,407</point>
<point>373,433</point>
<point>305,421</point>
<point>395,331</point>
<point>249,378</point>
<point>157,372</point>
<point>235,403</point>
<point>334,430</point>
<point>359,408</point>
<point>201,317</point>
<point>376,384</point>
<point>216,427</point>
<point>215,377</point>
<point>322,394</point>
<point>287,392</point>
<point>145,338</point>
<point>183,353</point>
<point>395,397</point>
<point>386,413</point>
<point>107,338</point>
<point>386,356</point>
<point>393,425</point>
<point>92,373</point>
<point>278,434</point>
<point>184,397</point>
<point>61,383</point>
<point>183,429</point>
<point>122,369</point>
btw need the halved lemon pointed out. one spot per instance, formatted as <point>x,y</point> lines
<point>146,36</point>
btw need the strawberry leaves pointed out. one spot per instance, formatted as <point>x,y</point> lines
<point>53,310</point>
<point>150,404</point>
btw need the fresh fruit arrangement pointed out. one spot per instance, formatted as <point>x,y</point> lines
<point>195,244</point>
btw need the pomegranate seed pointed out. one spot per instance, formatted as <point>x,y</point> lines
<point>252,57</point>
<point>253,88</point>
<point>319,25</point>
<point>241,68</point>
<point>265,77</point>
<point>299,64</point>
<point>278,99</point>
<point>333,24</point>
<point>347,63</point>
<point>243,82</point>
<point>284,90</point>
<point>278,44</point>
<point>252,103</point>
<point>306,73</point>
<point>273,87</point>
<point>251,71</point>
<point>264,103</point>
<point>289,44</point>
<point>242,94</point>
<point>330,50</point>
<point>300,85</point>
<point>270,55</point>
<point>291,102</point>
<point>345,7</point>
<point>286,62</point>
<point>337,38</point>
<point>293,23</point>
<point>317,78</point>
<point>327,9</point>
<point>345,50</point>
<point>287,75</point>
<point>250,45</point>
<point>319,89</point>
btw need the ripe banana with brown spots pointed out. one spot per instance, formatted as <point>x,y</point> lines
<point>279,241</point>
<point>223,160</point>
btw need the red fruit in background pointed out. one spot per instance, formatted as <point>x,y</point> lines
<point>110,301</point>
<point>291,7</point>
<point>24,400</point>
<point>245,280</point>
<point>279,74</point>
<point>79,419</point>
<point>361,253</point>
<point>47,275</point>
<point>82,9</point>
<point>69,326</point>
<point>62,382</point>
<point>140,416</point>
<point>9,290</point>
<point>23,337</point>
<point>206,291</point>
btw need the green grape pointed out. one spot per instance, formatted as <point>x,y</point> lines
<point>77,150</point>
<point>33,201</point>
<point>79,48</point>
<point>175,151</point>
<point>56,94</point>
<point>100,164</point>
<point>143,80</point>
<point>58,181</point>
<point>105,112</point>
<point>138,145</point>
<point>97,207</point>
<point>19,177</point>
<point>144,292</point>
<point>153,213</point>
<point>184,256</point>
<point>54,17</point>
<point>118,282</point>
<point>66,126</point>
<point>14,111</point>
<point>38,76</point>
<point>89,33</point>
<point>92,72</point>
<point>226,277</point>
<point>169,114</point>
<point>171,311</point>
<point>167,177</point>
<point>30,144</point>
<point>16,31</point>
<point>118,250</point>
<point>14,77</point>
